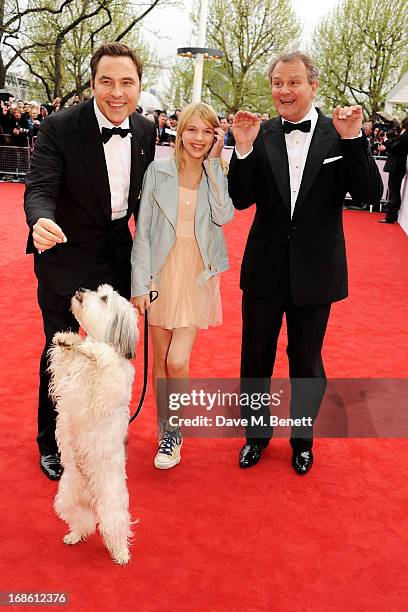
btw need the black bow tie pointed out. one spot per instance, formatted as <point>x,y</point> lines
<point>107,133</point>
<point>304,126</point>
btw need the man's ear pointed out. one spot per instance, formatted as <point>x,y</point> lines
<point>315,86</point>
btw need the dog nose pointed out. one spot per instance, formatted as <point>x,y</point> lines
<point>81,290</point>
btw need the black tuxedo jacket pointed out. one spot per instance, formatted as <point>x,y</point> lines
<point>68,183</point>
<point>397,155</point>
<point>313,239</point>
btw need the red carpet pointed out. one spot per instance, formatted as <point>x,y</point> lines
<point>213,537</point>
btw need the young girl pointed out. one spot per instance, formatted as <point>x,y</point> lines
<point>179,249</point>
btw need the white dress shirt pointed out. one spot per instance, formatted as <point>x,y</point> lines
<point>118,158</point>
<point>297,147</point>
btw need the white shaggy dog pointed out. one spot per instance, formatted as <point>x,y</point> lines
<point>91,383</point>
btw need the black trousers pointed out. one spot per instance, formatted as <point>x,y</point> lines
<point>306,327</point>
<point>394,186</point>
<point>57,317</point>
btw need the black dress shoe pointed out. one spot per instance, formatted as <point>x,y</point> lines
<point>386,221</point>
<point>302,461</point>
<point>250,454</point>
<point>51,466</point>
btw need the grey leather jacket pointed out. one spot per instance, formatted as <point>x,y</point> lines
<point>157,221</point>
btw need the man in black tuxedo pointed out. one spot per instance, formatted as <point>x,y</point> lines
<point>396,165</point>
<point>296,168</point>
<point>84,183</point>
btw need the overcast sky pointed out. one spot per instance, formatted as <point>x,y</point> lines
<point>173,25</point>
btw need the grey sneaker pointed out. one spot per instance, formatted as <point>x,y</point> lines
<point>168,454</point>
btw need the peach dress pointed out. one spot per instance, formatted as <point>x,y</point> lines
<point>182,302</point>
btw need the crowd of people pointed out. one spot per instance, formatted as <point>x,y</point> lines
<point>381,136</point>
<point>390,142</point>
<point>20,121</point>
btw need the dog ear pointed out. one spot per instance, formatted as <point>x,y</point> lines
<point>123,333</point>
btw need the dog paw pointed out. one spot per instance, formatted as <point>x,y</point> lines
<point>101,354</point>
<point>121,557</point>
<point>88,350</point>
<point>66,340</point>
<point>72,538</point>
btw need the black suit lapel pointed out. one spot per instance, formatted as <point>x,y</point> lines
<point>274,141</point>
<point>140,154</point>
<point>322,140</point>
<point>93,156</point>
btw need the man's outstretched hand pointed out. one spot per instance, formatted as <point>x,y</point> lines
<point>46,234</point>
<point>348,120</point>
<point>245,129</point>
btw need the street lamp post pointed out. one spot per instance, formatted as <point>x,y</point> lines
<point>199,60</point>
<point>200,53</point>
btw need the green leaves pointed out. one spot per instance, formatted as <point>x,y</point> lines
<point>360,48</point>
<point>249,32</point>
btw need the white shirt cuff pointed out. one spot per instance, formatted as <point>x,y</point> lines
<point>353,137</point>
<point>239,156</point>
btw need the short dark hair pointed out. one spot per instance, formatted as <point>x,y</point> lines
<point>115,49</point>
<point>294,56</point>
<point>404,123</point>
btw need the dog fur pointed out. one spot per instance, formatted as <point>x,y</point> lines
<point>91,383</point>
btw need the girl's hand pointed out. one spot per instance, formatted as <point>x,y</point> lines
<point>141,303</point>
<point>218,145</point>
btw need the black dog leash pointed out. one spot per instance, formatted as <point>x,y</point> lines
<point>152,297</point>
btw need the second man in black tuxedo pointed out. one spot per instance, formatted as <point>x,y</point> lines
<point>396,165</point>
<point>84,183</point>
<point>296,169</point>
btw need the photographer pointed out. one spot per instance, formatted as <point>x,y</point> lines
<point>378,146</point>
<point>18,128</point>
<point>162,135</point>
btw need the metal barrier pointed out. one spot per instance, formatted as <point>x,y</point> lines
<point>14,161</point>
<point>380,161</point>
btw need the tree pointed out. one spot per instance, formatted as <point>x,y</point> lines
<point>13,14</point>
<point>249,32</point>
<point>48,56</point>
<point>361,50</point>
<point>57,45</point>
<point>179,92</point>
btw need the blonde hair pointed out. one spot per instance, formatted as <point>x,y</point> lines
<point>194,109</point>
